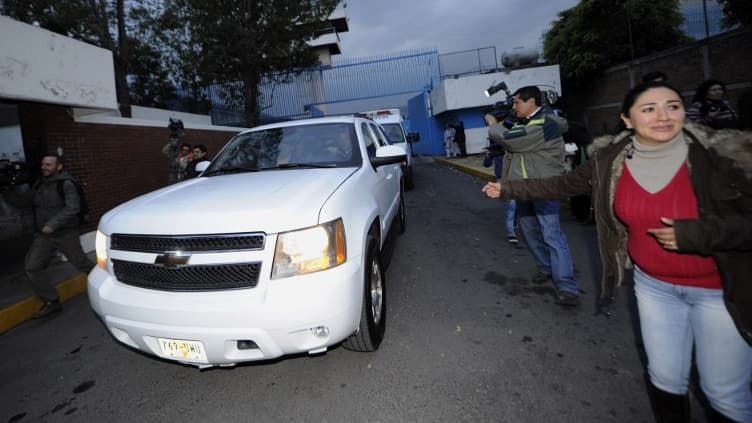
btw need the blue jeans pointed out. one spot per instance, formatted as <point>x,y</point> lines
<point>673,318</point>
<point>539,224</point>
<point>510,211</point>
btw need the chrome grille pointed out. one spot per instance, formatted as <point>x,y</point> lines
<point>187,278</point>
<point>189,243</point>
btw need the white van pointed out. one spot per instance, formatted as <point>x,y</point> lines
<point>393,123</point>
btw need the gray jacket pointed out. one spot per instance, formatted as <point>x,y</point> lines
<point>50,209</point>
<point>534,149</point>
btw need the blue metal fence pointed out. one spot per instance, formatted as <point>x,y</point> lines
<point>468,62</point>
<point>695,19</point>
<point>346,80</point>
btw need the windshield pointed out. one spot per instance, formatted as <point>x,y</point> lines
<point>394,132</point>
<point>316,145</point>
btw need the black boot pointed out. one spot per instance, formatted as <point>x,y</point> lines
<point>716,417</point>
<point>669,408</point>
<point>48,308</point>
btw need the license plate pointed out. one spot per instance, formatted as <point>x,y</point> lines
<point>183,350</point>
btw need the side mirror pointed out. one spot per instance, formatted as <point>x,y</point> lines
<point>201,166</point>
<point>389,154</point>
<point>413,137</point>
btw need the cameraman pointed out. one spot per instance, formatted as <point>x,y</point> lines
<point>535,149</point>
<point>56,220</point>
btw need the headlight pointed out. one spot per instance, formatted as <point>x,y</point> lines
<point>100,246</point>
<point>309,250</point>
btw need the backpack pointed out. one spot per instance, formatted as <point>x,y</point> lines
<point>83,205</point>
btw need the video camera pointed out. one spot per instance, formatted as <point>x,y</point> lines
<point>501,110</point>
<point>13,173</point>
<point>176,128</point>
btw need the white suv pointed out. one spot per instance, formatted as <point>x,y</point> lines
<point>274,249</point>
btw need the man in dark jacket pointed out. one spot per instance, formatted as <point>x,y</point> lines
<point>459,138</point>
<point>56,221</point>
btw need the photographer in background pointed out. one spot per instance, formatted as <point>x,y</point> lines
<point>56,220</point>
<point>535,149</point>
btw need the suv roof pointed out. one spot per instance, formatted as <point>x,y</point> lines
<point>310,121</point>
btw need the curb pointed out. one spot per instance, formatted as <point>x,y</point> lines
<point>22,311</point>
<point>466,169</point>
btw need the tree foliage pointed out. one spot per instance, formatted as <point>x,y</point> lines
<point>596,34</point>
<point>736,12</point>
<point>242,40</point>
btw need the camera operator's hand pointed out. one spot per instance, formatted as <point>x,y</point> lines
<point>492,189</point>
<point>490,119</point>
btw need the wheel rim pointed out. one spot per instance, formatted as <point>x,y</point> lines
<point>377,291</point>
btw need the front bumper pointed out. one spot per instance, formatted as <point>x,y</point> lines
<point>279,316</point>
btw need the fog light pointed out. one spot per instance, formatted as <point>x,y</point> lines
<point>247,344</point>
<point>320,331</point>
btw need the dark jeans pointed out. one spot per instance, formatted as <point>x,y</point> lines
<point>539,224</point>
<point>39,256</point>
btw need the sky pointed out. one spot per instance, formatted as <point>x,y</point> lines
<point>378,27</point>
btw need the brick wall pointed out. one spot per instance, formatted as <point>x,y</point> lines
<point>115,163</point>
<point>597,104</point>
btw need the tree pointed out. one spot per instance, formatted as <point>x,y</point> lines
<point>242,40</point>
<point>87,20</point>
<point>596,34</point>
<point>736,12</point>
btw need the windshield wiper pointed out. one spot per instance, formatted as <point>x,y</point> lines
<point>299,165</point>
<point>230,169</point>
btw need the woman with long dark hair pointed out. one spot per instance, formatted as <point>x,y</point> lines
<point>673,200</point>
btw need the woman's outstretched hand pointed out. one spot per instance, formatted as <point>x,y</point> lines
<point>492,189</point>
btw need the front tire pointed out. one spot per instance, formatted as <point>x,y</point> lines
<point>373,312</point>
<point>401,215</point>
<point>409,178</point>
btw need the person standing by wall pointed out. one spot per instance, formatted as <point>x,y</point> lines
<point>199,155</point>
<point>709,106</point>
<point>56,219</point>
<point>673,199</point>
<point>535,149</point>
<point>459,138</point>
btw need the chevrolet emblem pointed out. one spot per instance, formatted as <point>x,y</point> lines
<point>171,260</point>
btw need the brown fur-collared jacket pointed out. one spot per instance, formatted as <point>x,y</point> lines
<point>720,165</point>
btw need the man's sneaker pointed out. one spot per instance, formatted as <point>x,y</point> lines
<point>513,240</point>
<point>48,308</point>
<point>566,298</point>
<point>541,278</point>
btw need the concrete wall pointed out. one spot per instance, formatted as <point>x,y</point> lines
<point>467,92</point>
<point>722,57</point>
<point>39,65</point>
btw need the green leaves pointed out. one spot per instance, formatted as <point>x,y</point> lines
<point>596,34</point>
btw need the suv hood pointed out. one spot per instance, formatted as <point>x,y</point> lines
<point>269,201</point>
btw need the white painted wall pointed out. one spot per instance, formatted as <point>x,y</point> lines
<point>41,66</point>
<point>468,92</point>
<point>152,113</point>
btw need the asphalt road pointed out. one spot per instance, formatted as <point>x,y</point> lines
<point>469,338</point>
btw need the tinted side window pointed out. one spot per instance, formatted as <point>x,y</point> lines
<point>370,140</point>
